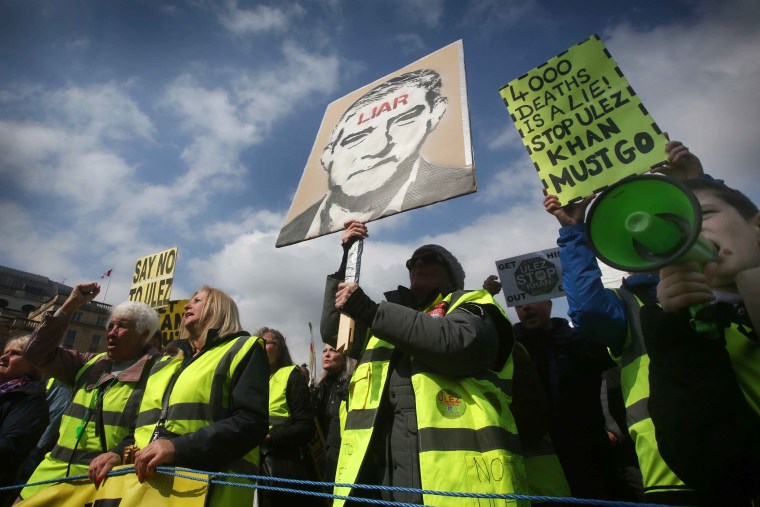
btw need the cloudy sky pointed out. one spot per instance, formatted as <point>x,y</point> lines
<point>129,127</point>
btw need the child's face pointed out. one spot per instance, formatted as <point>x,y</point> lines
<point>737,239</point>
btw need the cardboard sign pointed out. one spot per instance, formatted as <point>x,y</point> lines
<point>170,318</point>
<point>531,277</point>
<point>583,125</point>
<point>398,143</point>
<point>153,277</point>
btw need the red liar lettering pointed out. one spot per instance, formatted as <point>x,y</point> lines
<point>401,100</point>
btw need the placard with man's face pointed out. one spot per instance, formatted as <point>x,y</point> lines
<point>399,143</point>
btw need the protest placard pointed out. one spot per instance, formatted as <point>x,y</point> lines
<point>153,277</point>
<point>396,144</point>
<point>170,319</point>
<point>531,277</point>
<point>582,123</point>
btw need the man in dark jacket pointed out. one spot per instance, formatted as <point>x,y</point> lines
<point>427,346</point>
<point>570,369</point>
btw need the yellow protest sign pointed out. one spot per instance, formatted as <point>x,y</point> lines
<point>583,125</point>
<point>170,318</point>
<point>152,280</point>
<point>126,491</point>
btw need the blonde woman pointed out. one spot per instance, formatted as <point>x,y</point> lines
<point>207,407</point>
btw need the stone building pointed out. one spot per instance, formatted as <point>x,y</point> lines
<point>24,299</point>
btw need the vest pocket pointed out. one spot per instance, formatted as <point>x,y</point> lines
<point>359,389</point>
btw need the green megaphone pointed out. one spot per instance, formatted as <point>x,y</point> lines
<point>642,223</point>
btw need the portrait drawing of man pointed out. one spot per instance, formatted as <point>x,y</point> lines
<point>373,162</point>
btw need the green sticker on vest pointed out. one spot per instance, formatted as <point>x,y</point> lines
<point>450,404</point>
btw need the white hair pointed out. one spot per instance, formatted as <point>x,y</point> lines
<point>144,317</point>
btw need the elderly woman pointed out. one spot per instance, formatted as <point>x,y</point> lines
<point>206,407</point>
<point>331,390</point>
<point>291,424</point>
<point>107,387</point>
<point>23,411</point>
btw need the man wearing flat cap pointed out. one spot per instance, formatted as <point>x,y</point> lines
<point>428,403</point>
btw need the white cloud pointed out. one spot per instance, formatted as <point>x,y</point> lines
<point>101,112</point>
<point>515,183</point>
<point>40,248</point>
<point>410,42</point>
<point>237,112</point>
<point>259,19</point>
<point>267,96</point>
<point>506,137</point>
<point>72,150</point>
<point>699,82</point>
<point>67,152</point>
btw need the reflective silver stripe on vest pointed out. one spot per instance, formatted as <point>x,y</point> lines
<point>80,457</point>
<point>189,412</point>
<point>275,420</point>
<point>636,348</point>
<point>637,412</point>
<point>148,417</point>
<point>117,418</point>
<point>505,385</point>
<point>360,419</point>
<point>75,410</point>
<point>216,400</point>
<point>381,354</point>
<point>486,439</point>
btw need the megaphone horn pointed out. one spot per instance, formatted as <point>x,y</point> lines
<point>642,223</point>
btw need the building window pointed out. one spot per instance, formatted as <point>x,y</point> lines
<point>68,342</point>
<point>101,321</point>
<point>31,289</point>
<point>76,317</point>
<point>94,343</point>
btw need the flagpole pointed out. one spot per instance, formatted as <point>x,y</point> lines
<point>107,286</point>
<point>312,358</point>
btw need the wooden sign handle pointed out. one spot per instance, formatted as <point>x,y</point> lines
<point>345,333</point>
<point>347,324</point>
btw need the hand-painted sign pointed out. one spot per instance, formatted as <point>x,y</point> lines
<point>398,143</point>
<point>153,277</point>
<point>583,125</point>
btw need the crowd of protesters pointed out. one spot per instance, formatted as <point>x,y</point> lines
<point>436,391</point>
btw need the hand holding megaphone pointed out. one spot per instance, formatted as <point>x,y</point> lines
<point>644,223</point>
<point>685,284</point>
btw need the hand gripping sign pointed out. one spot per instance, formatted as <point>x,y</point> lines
<point>583,125</point>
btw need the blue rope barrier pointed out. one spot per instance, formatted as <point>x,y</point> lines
<point>177,472</point>
<point>373,487</point>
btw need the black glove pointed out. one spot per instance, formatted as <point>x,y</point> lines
<point>360,307</point>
